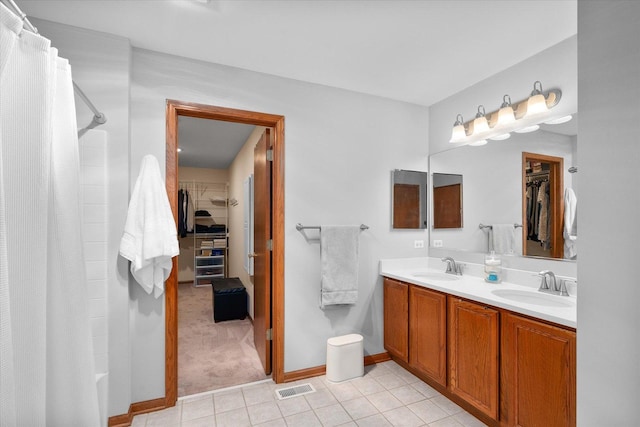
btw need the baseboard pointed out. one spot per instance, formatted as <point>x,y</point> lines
<point>322,369</point>
<point>125,420</point>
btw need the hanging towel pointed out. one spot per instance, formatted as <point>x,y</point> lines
<point>570,231</point>
<point>502,238</point>
<point>339,260</point>
<point>150,235</point>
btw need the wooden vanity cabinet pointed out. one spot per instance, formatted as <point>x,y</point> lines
<point>428,333</point>
<point>538,377</point>
<point>396,318</point>
<point>474,354</point>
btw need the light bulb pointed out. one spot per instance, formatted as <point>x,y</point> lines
<point>505,114</point>
<point>458,134</point>
<point>480,124</point>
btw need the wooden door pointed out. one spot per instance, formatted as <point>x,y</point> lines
<point>406,206</point>
<point>428,333</point>
<point>396,318</point>
<point>473,354</point>
<point>556,202</point>
<point>262,259</point>
<point>538,375</point>
<point>447,206</point>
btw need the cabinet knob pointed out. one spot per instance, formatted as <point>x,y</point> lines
<point>253,255</point>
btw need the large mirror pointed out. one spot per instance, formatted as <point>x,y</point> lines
<point>499,183</point>
<point>409,199</point>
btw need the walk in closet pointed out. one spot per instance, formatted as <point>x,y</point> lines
<point>538,212</point>
<point>204,220</point>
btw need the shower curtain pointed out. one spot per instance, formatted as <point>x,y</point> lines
<point>47,375</point>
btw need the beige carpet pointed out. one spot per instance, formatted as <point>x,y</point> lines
<point>212,355</point>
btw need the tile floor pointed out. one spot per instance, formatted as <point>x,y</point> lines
<point>387,395</point>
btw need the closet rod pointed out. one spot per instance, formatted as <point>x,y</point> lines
<point>301,227</point>
<point>98,117</point>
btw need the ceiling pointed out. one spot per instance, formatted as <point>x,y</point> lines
<point>417,51</point>
<point>210,144</point>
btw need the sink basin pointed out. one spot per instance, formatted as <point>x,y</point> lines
<point>434,275</point>
<point>534,297</point>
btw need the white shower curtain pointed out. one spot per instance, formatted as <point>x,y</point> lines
<point>47,375</point>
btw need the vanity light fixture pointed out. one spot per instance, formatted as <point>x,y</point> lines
<point>523,117</point>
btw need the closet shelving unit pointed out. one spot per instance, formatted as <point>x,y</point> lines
<point>210,236</point>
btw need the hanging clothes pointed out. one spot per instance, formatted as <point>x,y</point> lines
<point>46,348</point>
<point>182,231</point>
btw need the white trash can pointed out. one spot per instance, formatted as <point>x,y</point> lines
<point>345,357</point>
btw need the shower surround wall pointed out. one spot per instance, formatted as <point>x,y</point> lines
<point>93,180</point>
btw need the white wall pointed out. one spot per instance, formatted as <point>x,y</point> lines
<point>239,171</point>
<point>340,149</point>
<point>608,315</point>
<point>101,66</point>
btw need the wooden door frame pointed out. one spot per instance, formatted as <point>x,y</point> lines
<point>556,194</point>
<point>179,108</point>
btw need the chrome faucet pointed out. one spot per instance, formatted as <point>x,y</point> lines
<point>452,266</point>
<point>551,284</point>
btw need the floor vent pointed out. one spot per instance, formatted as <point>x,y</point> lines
<point>299,390</point>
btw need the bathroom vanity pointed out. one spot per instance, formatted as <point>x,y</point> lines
<point>504,352</point>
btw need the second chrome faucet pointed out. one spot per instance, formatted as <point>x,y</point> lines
<point>549,283</point>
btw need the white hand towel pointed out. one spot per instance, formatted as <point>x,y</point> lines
<point>502,239</point>
<point>570,231</point>
<point>150,236</point>
<point>339,259</point>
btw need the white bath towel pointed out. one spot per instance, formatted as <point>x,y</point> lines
<point>150,236</point>
<point>570,231</point>
<point>339,260</point>
<point>502,238</point>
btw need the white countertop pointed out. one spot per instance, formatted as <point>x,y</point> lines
<point>475,288</point>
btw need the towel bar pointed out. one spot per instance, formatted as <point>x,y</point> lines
<point>301,227</point>
<point>491,227</point>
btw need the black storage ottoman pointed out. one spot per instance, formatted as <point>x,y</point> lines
<point>229,299</point>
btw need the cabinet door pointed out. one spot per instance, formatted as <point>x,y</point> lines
<point>538,374</point>
<point>473,354</point>
<point>428,333</point>
<point>396,318</point>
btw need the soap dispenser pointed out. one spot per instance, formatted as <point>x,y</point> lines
<point>492,268</point>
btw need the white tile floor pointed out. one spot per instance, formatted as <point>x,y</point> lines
<point>387,395</point>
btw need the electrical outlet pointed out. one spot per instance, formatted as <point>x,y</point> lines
<point>437,243</point>
<point>417,244</point>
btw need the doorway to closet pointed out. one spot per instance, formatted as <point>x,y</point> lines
<point>209,347</point>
